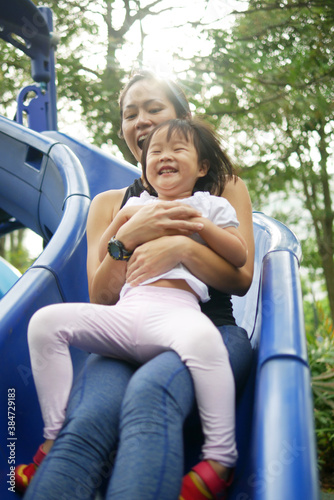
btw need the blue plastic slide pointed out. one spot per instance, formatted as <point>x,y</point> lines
<point>46,183</point>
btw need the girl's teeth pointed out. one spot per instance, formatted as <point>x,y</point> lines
<point>167,171</point>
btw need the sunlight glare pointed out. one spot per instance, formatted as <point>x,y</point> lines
<point>170,39</point>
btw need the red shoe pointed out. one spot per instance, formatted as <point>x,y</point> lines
<point>193,490</point>
<point>24,473</point>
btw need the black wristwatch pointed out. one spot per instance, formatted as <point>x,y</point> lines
<point>117,250</point>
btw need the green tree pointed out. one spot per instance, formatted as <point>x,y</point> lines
<point>14,251</point>
<point>320,336</point>
<point>270,80</point>
<point>90,65</point>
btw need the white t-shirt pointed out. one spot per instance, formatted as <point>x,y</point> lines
<point>214,208</point>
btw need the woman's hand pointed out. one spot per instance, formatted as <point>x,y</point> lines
<point>156,220</point>
<point>158,256</point>
<point>154,258</point>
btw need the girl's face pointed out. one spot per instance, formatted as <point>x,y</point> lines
<point>172,167</point>
<point>145,105</point>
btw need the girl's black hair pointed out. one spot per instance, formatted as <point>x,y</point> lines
<point>207,145</point>
<point>173,92</point>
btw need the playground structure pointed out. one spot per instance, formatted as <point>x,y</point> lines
<point>47,180</point>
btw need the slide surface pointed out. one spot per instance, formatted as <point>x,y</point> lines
<point>46,183</point>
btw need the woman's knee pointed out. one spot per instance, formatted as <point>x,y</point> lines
<point>99,389</point>
<point>161,385</point>
<point>93,413</point>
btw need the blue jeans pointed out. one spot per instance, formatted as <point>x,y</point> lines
<point>139,412</point>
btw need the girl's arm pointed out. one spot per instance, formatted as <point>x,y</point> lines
<point>158,256</point>
<point>226,242</point>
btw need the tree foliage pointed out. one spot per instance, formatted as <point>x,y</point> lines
<point>15,250</point>
<point>267,83</point>
<point>90,68</point>
<point>270,80</point>
<point>321,359</point>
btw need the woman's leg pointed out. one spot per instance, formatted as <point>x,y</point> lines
<point>200,346</point>
<point>240,354</point>
<point>84,451</point>
<point>149,463</point>
<point>77,458</point>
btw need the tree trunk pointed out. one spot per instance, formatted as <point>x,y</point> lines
<point>2,247</point>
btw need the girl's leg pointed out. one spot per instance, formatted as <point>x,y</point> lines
<point>83,454</point>
<point>149,462</point>
<point>175,322</point>
<point>87,440</point>
<point>91,327</point>
<point>79,432</point>
<point>160,396</point>
<point>241,356</point>
<point>201,348</point>
<point>211,475</point>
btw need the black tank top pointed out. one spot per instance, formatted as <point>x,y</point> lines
<point>219,308</point>
<point>135,189</point>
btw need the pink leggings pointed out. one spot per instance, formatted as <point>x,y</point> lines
<point>147,321</point>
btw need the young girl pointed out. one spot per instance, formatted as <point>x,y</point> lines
<point>182,160</point>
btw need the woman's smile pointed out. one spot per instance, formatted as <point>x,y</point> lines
<point>145,106</point>
<point>141,139</point>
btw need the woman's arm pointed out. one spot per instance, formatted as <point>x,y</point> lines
<point>133,226</point>
<point>105,276</point>
<point>159,219</point>
<point>158,256</point>
<point>121,218</point>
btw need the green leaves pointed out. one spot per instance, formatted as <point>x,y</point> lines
<point>267,84</point>
<point>273,98</point>
<point>321,361</point>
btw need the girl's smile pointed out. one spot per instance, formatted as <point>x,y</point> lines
<point>172,165</point>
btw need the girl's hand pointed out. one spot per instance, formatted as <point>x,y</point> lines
<point>154,258</point>
<point>156,220</point>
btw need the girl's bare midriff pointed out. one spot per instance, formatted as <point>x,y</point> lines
<point>179,284</point>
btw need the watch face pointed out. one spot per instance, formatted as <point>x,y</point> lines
<point>117,251</point>
<point>114,250</point>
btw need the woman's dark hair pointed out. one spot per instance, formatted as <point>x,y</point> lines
<point>173,92</point>
<point>207,145</point>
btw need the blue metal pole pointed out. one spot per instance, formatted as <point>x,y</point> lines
<point>51,110</point>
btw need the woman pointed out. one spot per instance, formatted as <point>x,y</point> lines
<point>141,412</point>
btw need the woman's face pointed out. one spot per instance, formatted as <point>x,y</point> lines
<point>145,105</point>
